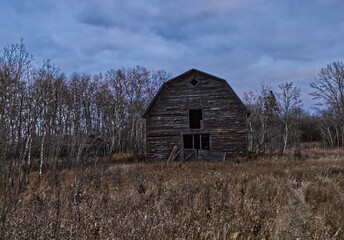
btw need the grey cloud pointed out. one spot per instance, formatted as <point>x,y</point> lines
<point>247,42</point>
<point>98,20</point>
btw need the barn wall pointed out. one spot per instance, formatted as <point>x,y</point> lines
<point>223,117</point>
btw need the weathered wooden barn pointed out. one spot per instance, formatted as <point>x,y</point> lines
<point>196,116</point>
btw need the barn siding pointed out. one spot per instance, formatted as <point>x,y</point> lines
<point>223,117</point>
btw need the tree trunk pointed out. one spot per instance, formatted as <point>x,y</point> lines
<point>285,140</point>
<point>28,165</point>
<point>78,157</point>
<point>250,136</point>
<point>57,152</point>
<point>262,138</point>
<point>41,158</point>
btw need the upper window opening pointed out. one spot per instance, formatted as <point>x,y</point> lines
<point>194,82</point>
<point>195,119</point>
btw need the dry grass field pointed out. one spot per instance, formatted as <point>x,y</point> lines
<point>270,197</point>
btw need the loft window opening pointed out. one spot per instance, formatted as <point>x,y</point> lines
<point>194,82</point>
<point>195,119</point>
<point>196,141</point>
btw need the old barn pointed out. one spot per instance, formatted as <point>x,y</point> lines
<point>196,116</point>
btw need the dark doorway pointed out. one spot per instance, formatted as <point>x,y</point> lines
<point>197,142</point>
<point>195,119</point>
<point>188,141</point>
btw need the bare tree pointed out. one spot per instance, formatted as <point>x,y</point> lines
<point>267,111</point>
<point>273,117</point>
<point>328,89</point>
<point>45,96</point>
<point>15,65</point>
<point>250,99</point>
<point>290,102</point>
<point>263,121</point>
<point>47,118</point>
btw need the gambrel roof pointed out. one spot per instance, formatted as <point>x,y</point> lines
<point>193,71</point>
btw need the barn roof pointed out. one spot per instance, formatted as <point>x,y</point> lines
<point>157,95</point>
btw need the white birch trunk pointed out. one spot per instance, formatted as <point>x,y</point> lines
<point>78,158</point>
<point>24,154</point>
<point>262,138</point>
<point>41,158</point>
<point>285,140</point>
<point>330,136</point>
<point>28,165</point>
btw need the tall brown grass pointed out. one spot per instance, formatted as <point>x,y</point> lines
<point>271,197</point>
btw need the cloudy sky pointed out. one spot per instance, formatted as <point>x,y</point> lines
<point>247,42</point>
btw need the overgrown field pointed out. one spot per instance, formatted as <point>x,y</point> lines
<point>271,197</point>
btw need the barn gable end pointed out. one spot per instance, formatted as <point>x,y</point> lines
<point>200,114</point>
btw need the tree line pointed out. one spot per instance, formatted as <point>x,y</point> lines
<point>48,116</point>
<point>56,119</point>
<point>278,121</point>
